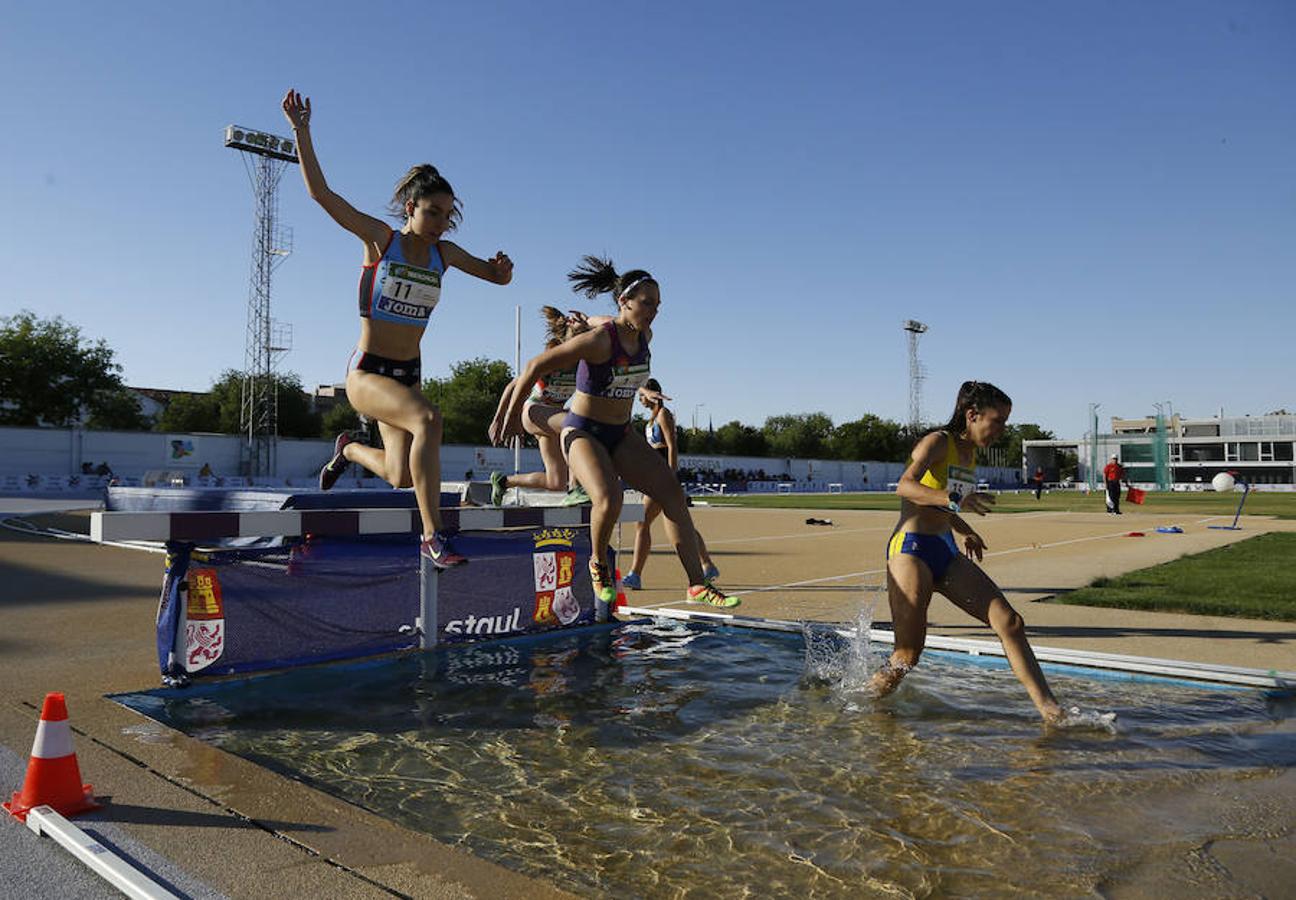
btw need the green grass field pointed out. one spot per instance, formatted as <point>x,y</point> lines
<point>1253,579</point>
<point>1206,503</point>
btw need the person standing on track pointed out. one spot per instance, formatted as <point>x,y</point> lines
<point>400,285</point>
<point>1113,475</point>
<point>939,484</point>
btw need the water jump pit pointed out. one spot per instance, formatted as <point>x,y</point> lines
<point>659,757</point>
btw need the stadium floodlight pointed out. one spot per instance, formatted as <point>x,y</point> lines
<point>260,142</point>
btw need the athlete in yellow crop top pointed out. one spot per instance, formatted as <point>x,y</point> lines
<point>938,485</point>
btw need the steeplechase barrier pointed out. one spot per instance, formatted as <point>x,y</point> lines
<point>347,583</point>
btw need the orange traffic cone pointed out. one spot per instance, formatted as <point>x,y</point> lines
<point>53,776</point>
<point>621,597</point>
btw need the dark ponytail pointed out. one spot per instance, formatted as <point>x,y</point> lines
<point>976,395</point>
<point>596,276</point>
<point>555,326</point>
<point>419,182</point>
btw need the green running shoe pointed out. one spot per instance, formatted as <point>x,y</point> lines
<point>498,487</point>
<point>576,496</point>
<point>604,586</point>
<point>710,595</point>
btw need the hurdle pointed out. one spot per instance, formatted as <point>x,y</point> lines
<point>528,579</point>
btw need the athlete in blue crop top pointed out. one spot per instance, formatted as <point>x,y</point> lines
<point>659,432</point>
<point>937,485</point>
<point>400,285</point>
<point>612,364</point>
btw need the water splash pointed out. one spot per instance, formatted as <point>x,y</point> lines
<point>1075,717</point>
<point>839,656</point>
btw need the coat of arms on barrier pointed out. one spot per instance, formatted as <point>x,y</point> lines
<point>204,620</point>
<point>554,562</point>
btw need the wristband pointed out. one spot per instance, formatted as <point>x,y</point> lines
<point>954,498</point>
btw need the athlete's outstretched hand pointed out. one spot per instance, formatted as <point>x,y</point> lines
<point>501,264</point>
<point>979,503</point>
<point>653,396</point>
<point>296,109</point>
<point>974,546</point>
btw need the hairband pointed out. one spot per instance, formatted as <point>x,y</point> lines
<point>632,285</point>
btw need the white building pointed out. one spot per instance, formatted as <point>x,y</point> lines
<point>1261,450</point>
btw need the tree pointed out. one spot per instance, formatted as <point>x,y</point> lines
<point>804,435</point>
<point>340,418</point>
<point>117,410</point>
<point>50,376</point>
<point>468,398</point>
<point>736,439</point>
<point>1010,443</point>
<point>869,437</point>
<point>220,409</point>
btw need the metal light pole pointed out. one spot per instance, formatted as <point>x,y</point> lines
<point>265,156</point>
<point>1092,480</point>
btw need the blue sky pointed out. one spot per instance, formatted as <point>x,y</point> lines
<point>1087,202</point>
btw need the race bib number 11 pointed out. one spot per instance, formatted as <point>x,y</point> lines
<point>412,291</point>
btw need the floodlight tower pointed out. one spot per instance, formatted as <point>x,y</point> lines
<point>916,374</point>
<point>265,156</point>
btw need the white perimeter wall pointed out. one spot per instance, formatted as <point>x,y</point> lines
<point>61,451</point>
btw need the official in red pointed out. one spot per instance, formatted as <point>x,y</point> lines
<point>1114,474</point>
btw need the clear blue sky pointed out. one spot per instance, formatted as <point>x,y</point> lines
<point>1087,202</point>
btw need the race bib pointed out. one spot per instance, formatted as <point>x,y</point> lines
<point>961,480</point>
<point>409,293</point>
<point>626,381</point>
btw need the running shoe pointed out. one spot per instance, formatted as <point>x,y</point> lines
<point>710,595</point>
<point>498,487</point>
<point>710,573</point>
<point>576,496</point>
<point>604,586</point>
<point>632,581</point>
<point>439,551</point>
<point>334,468</point>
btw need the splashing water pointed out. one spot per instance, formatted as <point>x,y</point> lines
<point>840,657</point>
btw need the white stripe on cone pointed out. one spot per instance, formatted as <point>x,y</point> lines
<point>53,740</point>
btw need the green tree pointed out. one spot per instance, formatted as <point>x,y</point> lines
<point>117,410</point>
<point>220,409</point>
<point>50,376</point>
<point>736,439</point>
<point>186,413</point>
<point>1009,446</point>
<point>468,398</point>
<point>803,435</point>
<point>341,417</point>
<point>869,437</point>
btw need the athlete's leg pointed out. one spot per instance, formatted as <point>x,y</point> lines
<point>909,590</point>
<point>973,591</point>
<point>645,470</point>
<point>643,536</point>
<point>404,407</point>
<point>389,462</point>
<point>590,462</point>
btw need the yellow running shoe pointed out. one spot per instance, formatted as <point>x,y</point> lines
<point>710,595</point>
<point>604,586</point>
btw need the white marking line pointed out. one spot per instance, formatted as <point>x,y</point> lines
<point>794,584</point>
<point>800,534</point>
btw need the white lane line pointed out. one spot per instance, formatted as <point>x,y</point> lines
<point>795,584</point>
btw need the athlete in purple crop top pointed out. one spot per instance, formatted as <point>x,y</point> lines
<point>400,285</point>
<point>612,364</point>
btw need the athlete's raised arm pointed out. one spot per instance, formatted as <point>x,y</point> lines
<point>498,269</point>
<point>297,110</point>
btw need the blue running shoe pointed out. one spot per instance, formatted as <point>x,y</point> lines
<point>633,582</point>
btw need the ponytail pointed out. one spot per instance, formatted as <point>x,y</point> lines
<point>596,276</point>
